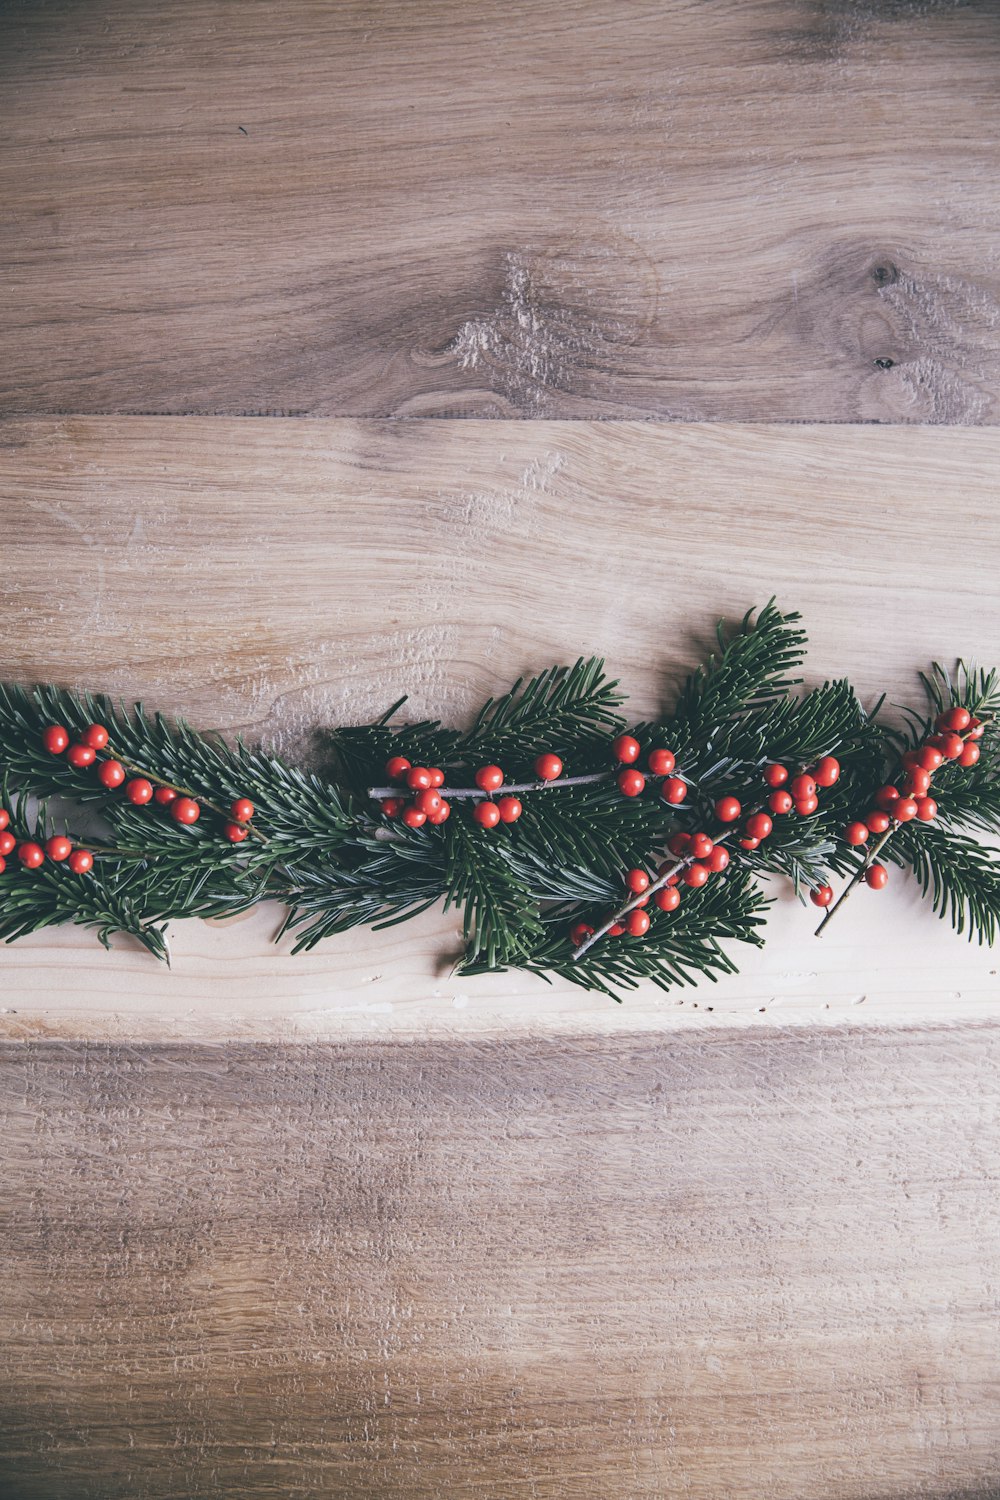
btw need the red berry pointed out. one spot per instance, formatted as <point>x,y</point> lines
<point>96,736</point>
<point>413,817</point>
<point>486,814</point>
<point>749,843</point>
<point>139,791</point>
<point>679,844</point>
<point>631,783</point>
<point>4,817</point>
<point>727,809</point>
<point>802,786</point>
<point>674,790</point>
<point>616,930</point>
<point>578,933</point>
<point>31,855</point>
<point>510,809</point>
<point>775,775</point>
<point>55,739</point>
<point>7,842</point>
<point>668,898</point>
<point>696,875</point>
<point>806,806</point>
<point>822,895</point>
<point>637,923</point>
<point>911,760</point>
<point>976,729</point>
<point>437,776</point>
<point>701,845</point>
<point>781,802</point>
<point>877,876</point>
<point>969,755</point>
<point>827,771</point>
<point>396,767</point>
<point>242,810</point>
<point>489,778</point>
<point>916,782</point>
<point>392,806</point>
<point>111,773</point>
<point>955,719</point>
<point>58,848</point>
<point>886,797</point>
<point>758,825</point>
<point>661,762</point>
<point>80,861</point>
<point>80,756</point>
<point>878,822</point>
<point>903,809</point>
<point>718,860</point>
<point>428,801</point>
<point>3,864</point>
<point>548,767</point>
<point>185,810</point>
<point>236,832</point>
<point>441,816</point>
<point>418,778</point>
<point>164,795</point>
<point>927,809</point>
<point>930,757</point>
<point>637,881</point>
<point>856,833</point>
<point>625,749</point>
<point>951,746</point>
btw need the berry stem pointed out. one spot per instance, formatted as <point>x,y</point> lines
<point>451,792</point>
<point>681,863</point>
<point>378,792</point>
<point>183,791</point>
<point>856,878</point>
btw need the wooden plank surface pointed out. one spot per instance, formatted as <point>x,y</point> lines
<point>276,577</point>
<point>741,209</point>
<point>713,1268</point>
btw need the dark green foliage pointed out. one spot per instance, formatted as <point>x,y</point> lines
<point>336,862</point>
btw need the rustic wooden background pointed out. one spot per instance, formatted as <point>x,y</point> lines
<point>584,323</point>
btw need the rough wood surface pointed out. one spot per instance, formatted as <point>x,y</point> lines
<point>741,209</point>
<point>277,576</point>
<point>715,1268</point>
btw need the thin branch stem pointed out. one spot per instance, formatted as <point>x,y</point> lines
<point>184,791</point>
<point>857,877</point>
<point>643,897</point>
<point>453,792</point>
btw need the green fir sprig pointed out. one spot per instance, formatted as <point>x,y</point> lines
<point>544,891</point>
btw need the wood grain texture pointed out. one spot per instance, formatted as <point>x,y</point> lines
<point>275,577</point>
<point>717,1269</point>
<point>741,209</point>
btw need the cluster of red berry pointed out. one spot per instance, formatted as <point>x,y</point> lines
<point>667,898</point>
<point>955,740</point>
<point>697,857</point>
<point>428,806</point>
<point>139,790</point>
<point>32,855</point>
<point>660,763</point>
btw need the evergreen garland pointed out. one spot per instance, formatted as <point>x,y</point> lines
<point>124,822</point>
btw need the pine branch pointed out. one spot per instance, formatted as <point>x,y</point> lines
<point>326,847</point>
<point>960,876</point>
<point>750,671</point>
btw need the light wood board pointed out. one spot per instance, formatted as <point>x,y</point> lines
<point>739,209</point>
<point>716,1269</point>
<point>278,577</point>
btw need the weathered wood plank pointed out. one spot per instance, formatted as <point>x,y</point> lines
<point>719,1268</point>
<point>742,209</point>
<point>275,577</point>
